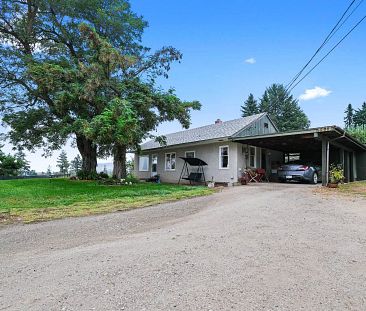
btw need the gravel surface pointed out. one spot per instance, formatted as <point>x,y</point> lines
<point>257,247</point>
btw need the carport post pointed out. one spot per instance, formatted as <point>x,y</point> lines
<point>325,161</point>
<point>347,173</point>
<point>341,157</point>
<point>354,167</point>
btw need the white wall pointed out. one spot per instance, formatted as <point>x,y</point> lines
<point>207,152</point>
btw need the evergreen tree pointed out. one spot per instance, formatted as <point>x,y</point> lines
<point>76,164</point>
<point>20,156</point>
<point>348,119</point>
<point>359,118</point>
<point>283,109</point>
<point>250,106</point>
<point>63,163</point>
<point>49,170</point>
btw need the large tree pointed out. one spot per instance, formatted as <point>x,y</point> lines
<point>349,114</point>
<point>58,72</point>
<point>283,108</point>
<point>250,106</point>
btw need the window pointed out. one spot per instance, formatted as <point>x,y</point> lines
<point>190,154</point>
<point>252,157</point>
<point>266,125</point>
<point>170,161</point>
<point>224,157</point>
<point>292,157</point>
<point>144,163</point>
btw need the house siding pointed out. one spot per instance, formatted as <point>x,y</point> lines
<point>361,165</point>
<point>258,128</point>
<point>207,152</point>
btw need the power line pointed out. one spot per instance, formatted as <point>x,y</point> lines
<point>348,16</point>
<point>326,55</point>
<point>326,40</point>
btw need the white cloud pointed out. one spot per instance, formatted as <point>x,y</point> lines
<point>314,93</point>
<point>250,61</point>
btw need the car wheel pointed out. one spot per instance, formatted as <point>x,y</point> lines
<point>314,179</point>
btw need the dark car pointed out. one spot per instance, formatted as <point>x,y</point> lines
<point>300,172</point>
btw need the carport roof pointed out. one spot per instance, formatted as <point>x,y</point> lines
<point>303,140</point>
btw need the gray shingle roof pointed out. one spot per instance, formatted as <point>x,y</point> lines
<point>208,132</point>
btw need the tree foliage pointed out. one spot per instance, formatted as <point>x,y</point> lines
<point>10,165</point>
<point>348,119</point>
<point>283,109</point>
<point>64,64</point>
<point>359,118</point>
<point>63,163</point>
<point>250,106</point>
<point>21,157</point>
<point>358,132</point>
<point>355,118</point>
<point>76,164</point>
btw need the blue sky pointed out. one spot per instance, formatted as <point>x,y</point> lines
<point>217,37</point>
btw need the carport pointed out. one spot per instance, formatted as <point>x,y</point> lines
<point>329,144</point>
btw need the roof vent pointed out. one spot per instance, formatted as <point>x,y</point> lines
<point>218,121</point>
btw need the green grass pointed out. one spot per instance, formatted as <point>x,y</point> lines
<point>354,188</point>
<point>29,200</point>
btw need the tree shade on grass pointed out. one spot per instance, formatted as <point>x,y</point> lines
<point>42,199</point>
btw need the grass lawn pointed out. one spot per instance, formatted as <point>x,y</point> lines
<point>29,200</point>
<point>354,188</point>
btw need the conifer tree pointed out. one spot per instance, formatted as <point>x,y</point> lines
<point>250,106</point>
<point>63,163</point>
<point>348,119</point>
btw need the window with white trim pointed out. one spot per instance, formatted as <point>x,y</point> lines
<point>224,157</point>
<point>252,156</point>
<point>144,163</point>
<point>190,154</point>
<point>170,161</point>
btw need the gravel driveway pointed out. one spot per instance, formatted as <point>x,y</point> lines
<point>258,247</point>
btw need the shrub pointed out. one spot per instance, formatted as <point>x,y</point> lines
<point>358,132</point>
<point>132,179</point>
<point>84,175</point>
<point>103,175</point>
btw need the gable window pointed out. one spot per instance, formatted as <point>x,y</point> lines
<point>170,161</point>
<point>190,154</point>
<point>224,157</point>
<point>252,157</point>
<point>144,163</point>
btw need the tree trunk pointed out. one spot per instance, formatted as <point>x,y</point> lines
<point>88,153</point>
<point>119,161</point>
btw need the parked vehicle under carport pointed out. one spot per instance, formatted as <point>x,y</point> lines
<point>299,171</point>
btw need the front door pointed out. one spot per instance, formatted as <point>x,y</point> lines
<point>154,165</point>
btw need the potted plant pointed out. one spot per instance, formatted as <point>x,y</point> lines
<point>335,175</point>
